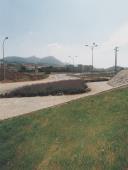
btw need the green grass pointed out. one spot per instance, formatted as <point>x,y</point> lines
<point>87,134</point>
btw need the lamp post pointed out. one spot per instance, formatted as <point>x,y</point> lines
<point>73,61</point>
<point>3,45</point>
<point>92,50</point>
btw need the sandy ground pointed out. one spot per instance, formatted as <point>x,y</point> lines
<point>11,107</point>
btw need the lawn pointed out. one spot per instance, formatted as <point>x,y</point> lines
<point>86,134</point>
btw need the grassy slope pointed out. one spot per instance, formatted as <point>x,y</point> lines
<point>87,134</point>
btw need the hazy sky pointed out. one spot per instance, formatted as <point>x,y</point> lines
<point>61,28</point>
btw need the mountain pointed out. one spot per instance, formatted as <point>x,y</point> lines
<point>15,59</point>
<point>50,60</point>
<point>32,60</point>
<point>119,68</point>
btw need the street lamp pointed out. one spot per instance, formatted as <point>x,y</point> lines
<point>73,60</point>
<point>3,45</point>
<point>92,50</point>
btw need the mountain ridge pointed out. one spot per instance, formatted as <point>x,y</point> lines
<point>49,60</point>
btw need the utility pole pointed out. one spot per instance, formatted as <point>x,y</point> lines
<point>116,49</point>
<point>92,50</point>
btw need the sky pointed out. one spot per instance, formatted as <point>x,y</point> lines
<point>61,28</point>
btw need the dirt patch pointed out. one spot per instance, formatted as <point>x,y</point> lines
<point>120,79</point>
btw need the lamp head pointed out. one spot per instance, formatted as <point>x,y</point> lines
<point>95,45</point>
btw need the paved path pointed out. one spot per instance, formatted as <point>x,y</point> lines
<point>11,107</point>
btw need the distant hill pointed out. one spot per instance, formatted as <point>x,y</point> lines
<point>32,60</point>
<point>119,68</point>
<point>50,60</point>
<point>15,59</point>
<point>109,69</point>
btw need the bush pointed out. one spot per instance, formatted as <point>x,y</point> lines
<point>15,76</point>
<point>52,88</point>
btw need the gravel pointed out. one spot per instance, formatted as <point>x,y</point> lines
<point>120,79</point>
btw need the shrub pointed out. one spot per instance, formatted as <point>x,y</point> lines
<point>15,76</point>
<point>52,88</point>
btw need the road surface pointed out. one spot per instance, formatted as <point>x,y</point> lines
<point>11,107</point>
